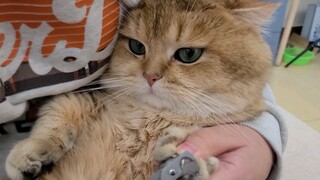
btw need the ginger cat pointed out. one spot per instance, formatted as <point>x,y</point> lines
<point>178,65</point>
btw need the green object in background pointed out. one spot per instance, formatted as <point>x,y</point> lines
<point>292,52</point>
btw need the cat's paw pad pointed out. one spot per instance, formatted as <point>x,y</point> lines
<point>166,146</point>
<point>29,158</point>
<point>212,164</point>
<point>206,167</point>
<point>166,149</point>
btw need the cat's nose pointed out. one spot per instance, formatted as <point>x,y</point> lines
<point>151,79</point>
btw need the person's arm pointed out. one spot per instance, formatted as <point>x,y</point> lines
<point>272,127</point>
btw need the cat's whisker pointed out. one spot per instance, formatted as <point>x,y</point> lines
<point>211,104</point>
<point>113,78</point>
<point>215,102</point>
<point>190,102</point>
<point>193,4</point>
<point>176,94</point>
<point>127,13</point>
<point>205,108</point>
<point>93,83</point>
<point>104,86</point>
<point>127,18</point>
<point>221,104</point>
<point>208,107</point>
<point>115,82</point>
<point>199,109</point>
<point>119,91</point>
<point>210,101</point>
<point>120,94</point>
<point>186,96</point>
<point>113,96</point>
<point>88,90</point>
<point>112,84</point>
<point>229,122</point>
<point>226,128</point>
<point>108,82</point>
<point>96,82</point>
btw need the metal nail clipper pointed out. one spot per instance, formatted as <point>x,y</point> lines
<point>182,167</point>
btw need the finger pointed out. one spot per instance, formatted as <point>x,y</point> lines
<point>224,172</point>
<point>231,167</point>
<point>239,164</point>
<point>212,141</point>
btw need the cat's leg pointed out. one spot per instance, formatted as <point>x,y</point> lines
<point>59,124</point>
<point>166,148</point>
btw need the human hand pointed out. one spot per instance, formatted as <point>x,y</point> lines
<point>243,153</point>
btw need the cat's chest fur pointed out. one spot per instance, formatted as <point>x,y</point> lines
<point>120,143</point>
<point>136,127</point>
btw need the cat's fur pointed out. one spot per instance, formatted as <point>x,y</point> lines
<point>112,134</point>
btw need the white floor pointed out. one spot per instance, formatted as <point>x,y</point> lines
<point>297,89</point>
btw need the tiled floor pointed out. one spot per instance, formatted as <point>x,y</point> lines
<point>297,89</point>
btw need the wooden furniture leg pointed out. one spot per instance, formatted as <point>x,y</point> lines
<point>287,30</point>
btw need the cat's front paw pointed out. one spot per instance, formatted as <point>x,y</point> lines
<point>30,158</point>
<point>206,168</point>
<point>166,149</point>
<point>166,146</point>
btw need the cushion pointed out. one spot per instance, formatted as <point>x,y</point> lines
<point>50,47</point>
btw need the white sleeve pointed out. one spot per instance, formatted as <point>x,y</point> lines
<point>271,125</point>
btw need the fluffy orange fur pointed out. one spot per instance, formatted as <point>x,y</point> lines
<point>112,134</point>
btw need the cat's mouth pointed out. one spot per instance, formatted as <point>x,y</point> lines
<point>155,90</point>
<point>153,93</point>
<point>155,96</point>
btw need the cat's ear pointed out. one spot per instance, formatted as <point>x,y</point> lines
<point>131,3</point>
<point>257,13</point>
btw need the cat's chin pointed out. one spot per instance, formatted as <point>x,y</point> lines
<point>155,101</point>
<point>161,103</point>
<point>153,97</point>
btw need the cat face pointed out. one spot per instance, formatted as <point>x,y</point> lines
<point>192,57</point>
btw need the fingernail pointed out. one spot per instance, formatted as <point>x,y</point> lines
<point>186,146</point>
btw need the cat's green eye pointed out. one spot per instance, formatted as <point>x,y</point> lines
<point>136,47</point>
<point>188,55</point>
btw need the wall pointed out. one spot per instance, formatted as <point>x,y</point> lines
<point>303,6</point>
<point>273,37</point>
